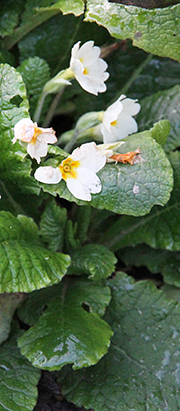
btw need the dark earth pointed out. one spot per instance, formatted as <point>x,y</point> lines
<point>50,397</point>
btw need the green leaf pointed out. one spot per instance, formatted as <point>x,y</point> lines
<point>76,7</point>
<point>18,379</point>
<point>15,168</point>
<point>26,264</point>
<point>9,16</point>
<point>171,292</point>
<point>141,369</point>
<point>162,105</point>
<point>155,31</point>
<point>8,304</point>
<point>157,261</point>
<point>35,74</point>
<point>52,226</point>
<point>159,74</point>
<point>95,260</point>
<point>74,335</point>
<point>128,189</point>
<point>160,229</point>
<point>160,131</point>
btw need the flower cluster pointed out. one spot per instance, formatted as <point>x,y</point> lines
<point>79,169</point>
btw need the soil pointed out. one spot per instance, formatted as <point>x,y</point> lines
<point>50,397</point>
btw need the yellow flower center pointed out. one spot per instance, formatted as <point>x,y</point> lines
<point>85,72</point>
<point>37,132</point>
<point>68,168</point>
<point>113,123</point>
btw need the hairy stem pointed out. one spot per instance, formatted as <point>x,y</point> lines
<point>52,108</point>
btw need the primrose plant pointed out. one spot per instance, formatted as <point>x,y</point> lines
<point>63,197</point>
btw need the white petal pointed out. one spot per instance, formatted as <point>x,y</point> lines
<point>77,68</point>
<point>78,189</point>
<point>130,107</point>
<point>108,137</point>
<point>48,175</point>
<point>89,156</point>
<point>88,53</point>
<point>74,51</point>
<point>112,113</point>
<point>87,58</point>
<point>89,179</point>
<point>47,138</point>
<point>37,150</point>
<point>24,130</point>
<point>126,125</point>
<point>96,69</point>
<point>93,85</point>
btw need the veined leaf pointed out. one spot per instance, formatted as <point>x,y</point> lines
<point>155,31</point>
<point>66,333</point>
<point>15,168</point>
<point>52,226</point>
<point>92,259</point>
<point>159,229</point>
<point>141,368</point>
<point>162,105</point>
<point>35,74</point>
<point>128,189</point>
<point>25,264</point>
<point>8,304</point>
<point>18,379</point>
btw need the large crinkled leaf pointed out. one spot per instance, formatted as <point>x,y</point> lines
<point>67,332</point>
<point>18,379</point>
<point>35,74</point>
<point>156,31</point>
<point>15,168</point>
<point>130,189</point>
<point>25,264</point>
<point>157,261</point>
<point>52,226</point>
<point>162,105</point>
<point>8,304</point>
<point>95,260</point>
<point>141,370</point>
<point>159,229</point>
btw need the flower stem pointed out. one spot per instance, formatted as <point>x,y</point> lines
<point>53,107</point>
<point>68,147</point>
<point>39,107</point>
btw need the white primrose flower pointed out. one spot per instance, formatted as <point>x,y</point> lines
<point>78,170</point>
<point>117,121</point>
<point>88,68</point>
<point>35,138</point>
